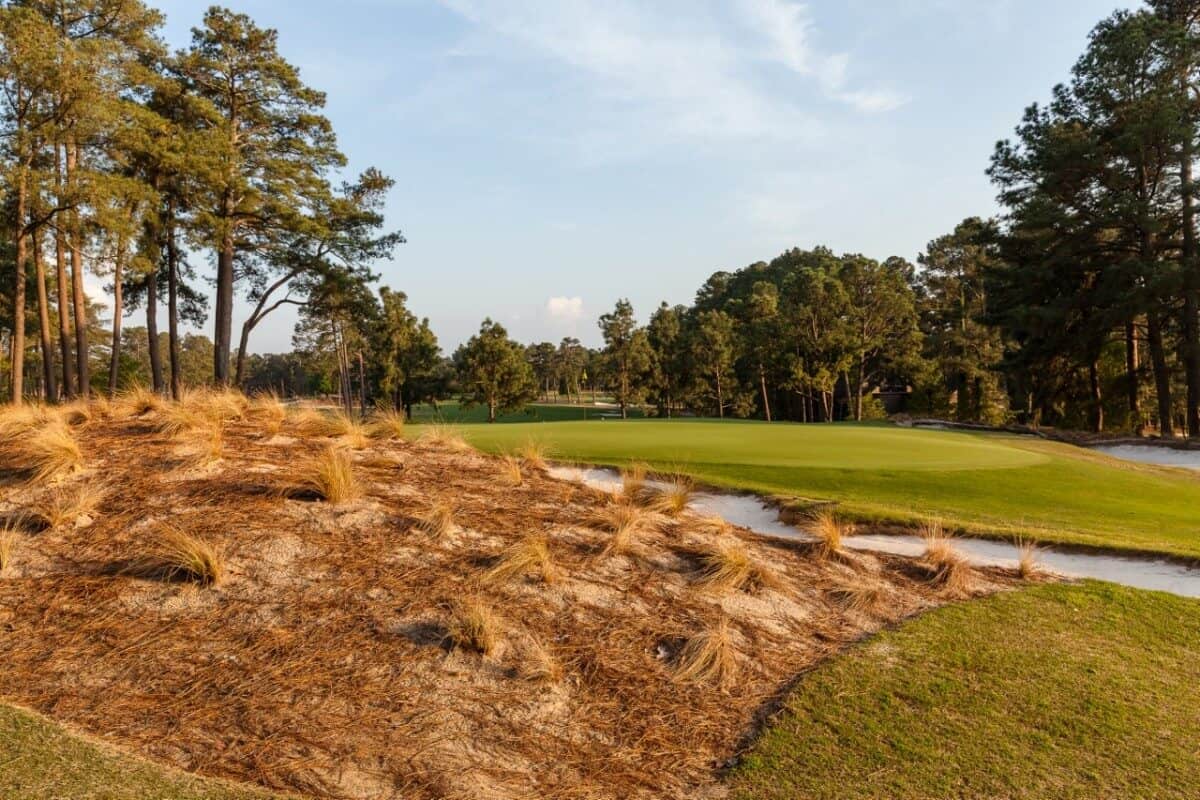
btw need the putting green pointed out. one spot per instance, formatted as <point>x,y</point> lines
<point>865,447</point>
<point>986,484</point>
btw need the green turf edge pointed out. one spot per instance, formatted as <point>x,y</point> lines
<point>1076,692</point>
<point>42,760</point>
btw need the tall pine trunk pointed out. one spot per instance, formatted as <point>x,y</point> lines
<point>45,340</point>
<point>17,375</point>
<point>223,335</point>
<point>1131,377</point>
<point>82,369</point>
<point>173,303</point>
<point>1162,375</point>
<point>156,370</point>
<point>1191,291</point>
<point>114,363</point>
<point>1096,412</point>
<point>64,313</point>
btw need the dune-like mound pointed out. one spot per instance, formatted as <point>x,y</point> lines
<point>294,599</point>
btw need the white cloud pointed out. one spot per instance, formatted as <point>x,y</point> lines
<point>565,308</point>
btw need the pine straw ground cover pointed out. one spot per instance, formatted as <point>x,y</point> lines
<point>341,650</point>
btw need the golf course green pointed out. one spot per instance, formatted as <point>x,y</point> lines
<point>980,483</point>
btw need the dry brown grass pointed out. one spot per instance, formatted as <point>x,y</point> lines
<point>726,565</point>
<point>674,499</point>
<point>473,626</point>
<point>446,436</point>
<point>137,402</point>
<point>176,555</point>
<point>1028,560</point>
<point>625,521</point>
<point>708,658</point>
<point>387,423</point>
<point>78,412</point>
<point>533,454</point>
<point>438,522</point>
<point>329,477</point>
<point>510,471</point>
<point>8,543</point>
<point>225,405</point>
<point>828,531</point>
<point>67,505</point>
<point>17,421</point>
<point>948,567</point>
<point>861,598</point>
<point>633,482</point>
<point>539,665</point>
<point>46,453</point>
<point>709,526</point>
<point>336,424</point>
<point>269,411</point>
<point>530,556</point>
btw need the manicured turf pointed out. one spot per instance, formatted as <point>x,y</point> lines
<point>1074,693</point>
<point>985,483</point>
<point>454,412</point>
<point>41,761</point>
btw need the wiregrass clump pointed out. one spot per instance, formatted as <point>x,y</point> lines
<point>178,556</point>
<point>948,567</point>
<point>329,477</point>
<point>269,411</point>
<point>708,658</point>
<point>138,401</point>
<point>1028,560</point>
<point>530,556</point>
<point>829,532</point>
<point>510,471</point>
<point>473,626</point>
<point>438,522</point>
<point>441,435</point>
<point>66,506</point>
<point>674,499</point>
<point>533,454</point>
<point>727,566</point>
<point>8,543</point>
<point>337,424</point>
<point>47,453</point>
<point>387,424</point>
<point>625,521</point>
<point>633,482</point>
<point>539,665</point>
<point>864,598</point>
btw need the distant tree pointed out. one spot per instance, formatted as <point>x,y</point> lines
<point>669,363</point>
<point>627,355</point>
<point>406,350</point>
<point>494,372</point>
<point>541,358</point>
<point>570,365</point>
<point>712,350</point>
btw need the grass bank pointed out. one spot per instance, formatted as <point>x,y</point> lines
<point>39,760</point>
<point>985,483</point>
<point>1079,692</point>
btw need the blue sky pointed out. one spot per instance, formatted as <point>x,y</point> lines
<point>554,155</point>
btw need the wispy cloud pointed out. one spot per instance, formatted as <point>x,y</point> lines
<point>694,69</point>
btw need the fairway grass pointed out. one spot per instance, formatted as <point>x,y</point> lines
<point>39,760</point>
<point>983,484</point>
<point>1071,692</point>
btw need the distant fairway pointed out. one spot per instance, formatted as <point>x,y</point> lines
<point>986,483</point>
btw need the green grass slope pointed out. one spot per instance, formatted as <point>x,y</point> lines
<point>985,483</point>
<point>41,761</point>
<point>1071,692</point>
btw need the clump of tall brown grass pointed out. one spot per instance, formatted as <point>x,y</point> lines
<point>65,506</point>
<point>47,453</point>
<point>673,500</point>
<point>530,556</point>
<point>387,423</point>
<point>178,555</point>
<point>473,626</point>
<point>533,454</point>
<point>948,567</point>
<point>633,482</point>
<point>223,404</point>
<point>78,412</point>
<point>18,420</point>
<point>329,477</point>
<point>441,435</point>
<point>1028,562</point>
<point>828,531</point>
<point>625,521</point>
<point>138,401</point>
<point>863,598</point>
<point>337,424</point>
<point>437,522</point>
<point>726,565</point>
<point>510,471</point>
<point>710,526</point>
<point>8,543</point>
<point>708,658</point>
<point>539,665</point>
<point>269,411</point>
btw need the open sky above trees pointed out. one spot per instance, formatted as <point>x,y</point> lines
<point>538,158</point>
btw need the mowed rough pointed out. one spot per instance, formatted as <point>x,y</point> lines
<point>354,648</point>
